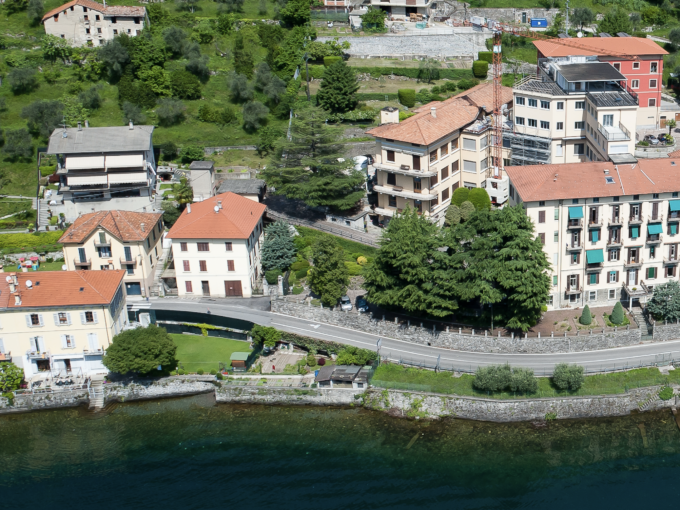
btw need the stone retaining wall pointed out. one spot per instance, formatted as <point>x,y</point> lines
<point>164,388</point>
<point>666,332</point>
<point>429,405</point>
<point>455,340</point>
<point>286,396</point>
<point>30,402</point>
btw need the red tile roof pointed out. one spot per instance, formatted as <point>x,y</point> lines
<point>125,225</point>
<point>601,46</point>
<point>55,289</point>
<point>114,10</point>
<point>587,180</point>
<point>85,3</point>
<point>236,220</point>
<point>452,114</point>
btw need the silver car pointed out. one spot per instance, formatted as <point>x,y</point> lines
<point>345,304</point>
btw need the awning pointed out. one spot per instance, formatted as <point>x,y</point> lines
<point>634,232</point>
<point>595,235</point>
<point>656,228</point>
<point>127,177</point>
<point>84,162</point>
<point>675,205</point>
<point>86,180</point>
<point>674,228</point>
<point>594,256</point>
<point>575,212</point>
<point>125,161</point>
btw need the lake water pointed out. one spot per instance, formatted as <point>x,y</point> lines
<point>189,453</point>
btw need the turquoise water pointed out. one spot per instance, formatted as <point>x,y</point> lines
<point>189,453</point>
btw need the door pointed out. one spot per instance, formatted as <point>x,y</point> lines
<point>524,17</point>
<point>632,255</point>
<point>81,255</point>
<point>655,210</point>
<point>67,365</point>
<point>663,122</point>
<point>677,117</point>
<point>133,288</point>
<point>593,215</point>
<point>417,185</point>
<point>632,277</point>
<point>233,288</point>
<point>206,288</point>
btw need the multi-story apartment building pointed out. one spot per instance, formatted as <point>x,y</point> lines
<point>89,23</point>
<point>643,74</point>
<point>105,168</point>
<point>124,240</point>
<point>446,144</point>
<point>216,246</point>
<point>573,112</point>
<point>60,322</point>
<point>610,231</point>
<point>400,10</point>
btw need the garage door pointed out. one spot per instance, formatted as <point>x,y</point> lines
<point>133,289</point>
<point>618,149</point>
<point>233,288</point>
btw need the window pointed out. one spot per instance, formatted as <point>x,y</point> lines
<point>433,156</point>
<point>557,213</point>
<point>635,84</point>
<point>636,197</point>
<point>85,17</point>
<point>560,126</point>
<point>554,280</point>
<point>104,251</point>
<point>579,149</point>
<point>115,31</point>
<point>612,293</point>
<point>608,120</point>
<point>445,194</point>
<point>228,246</point>
<point>614,254</point>
<point>62,318</point>
<point>444,150</point>
<point>454,167</point>
<point>203,246</point>
<point>99,30</point>
<point>545,105</point>
<point>35,320</point>
<point>185,264</point>
<point>617,66</point>
<point>653,67</point>
<point>202,266</point>
<point>469,144</point>
<point>560,105</point>
<point>136,21</point>
<point>469,166</point>
<point>542,238</point>
<point>68,341</point>
<point>151,260</point>
<point>188,287</point>
<point>183,246</point>
<point>434,180</point>
<point>579,125</point>
<point>390,156</point>
<point>230,265</point>
<point>483,142</point>
<point>519,121</point>
<point>392,201</point>
<point>558,148</point>
<point>533,123</point>
<point>512,192</point>
<point>580,105</point>
<point>670,271</point>
<point>519,101</point>
<point>130,269</point>
<point>545,124</point>
<point>541,203</point>
<point>392,179</point>
<point>56,19</point>
<point>89,316</point>
<point>445,172</point>
<point>652,84</point>
<point>556,237</point>
<point>651,102</point>
<point>96,17</point>
<point>533,103</point>
<point>636,65</point>
<point>541,216</point>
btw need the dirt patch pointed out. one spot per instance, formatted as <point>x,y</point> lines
<point>561,321</point>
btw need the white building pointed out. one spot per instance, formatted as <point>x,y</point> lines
<point>610,231</point>
<point>60,323</point>
<point>216,247</point>
<point>202,179</point>
<point>88,23</point>
<point>105,168</point>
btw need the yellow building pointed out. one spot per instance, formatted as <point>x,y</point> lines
<point>60,322</point>
<point>116,240</point>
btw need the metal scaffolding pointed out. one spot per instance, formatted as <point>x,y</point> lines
<point>527,149</point>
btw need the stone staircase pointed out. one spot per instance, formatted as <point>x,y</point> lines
<point>641,320</point>
<point>96,391</point>
<point>647,403</point>
<point>44,215</point>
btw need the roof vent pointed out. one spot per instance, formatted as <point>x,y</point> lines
<point>219,204</point>
<point>142,225</point>
<point>37,283</point>
<point>17,300</point>
<point>188,208</point>
<point>131,125</point>
<point>606,171</point>
<point>29,284</point>
<point>81,289</point>
<point>433,111</point>
<point>672,163</point>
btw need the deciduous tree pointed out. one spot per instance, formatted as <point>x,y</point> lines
<point>170,111</point>
<point>43,117</point>
<point>90,98</point>
<point>337,93</point>
<point>329,277</point>
<point>141,350</point>
<point>115,56</point>
<point>568,377</point>
<point>583,16</point>
<point>17,145</point>
<point>665,303</point>
<point>239,88</point>
<point>55,48</point>
<point>22,80</point>
<point>185,85</point>
<point>296,12</point>
<point>132,113</point>
<point>615,21</point>
<point>175,38</point>
<point>254,115</point>
<point>10,377</point>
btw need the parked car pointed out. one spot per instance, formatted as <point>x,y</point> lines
<point>362,305</point>
<point>653,140</point>
<point>345,304</point>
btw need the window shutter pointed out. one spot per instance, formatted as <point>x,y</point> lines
<point>34,346</point>
<point>230,265</point>
<point>56,319</point>
<point>82,318</point>
<point>40,319</point>
<point>617,277</point>
<point>597,277</point>
<point>68,319</point>
<point>578,259</point>
<point>541,216</point>
<point>94,316</point>
<point>64,345</point>
<point>2,346</point>
<point>577,282</point>
<point>28,320</point>
<point>92,340</point>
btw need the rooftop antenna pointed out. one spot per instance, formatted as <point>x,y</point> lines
<point>64,134</point>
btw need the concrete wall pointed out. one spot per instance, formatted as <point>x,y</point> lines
<point>287,396</point>
<point>454,340</point>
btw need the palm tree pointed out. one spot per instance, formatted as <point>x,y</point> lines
<point>184,194</point>
<point>670,124</point>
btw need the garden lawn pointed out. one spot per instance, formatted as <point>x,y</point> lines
<point>44,266</point>
<point>415,379</point>
<point>38,242</point>
<point>347,245</point>
<point>195,351</point>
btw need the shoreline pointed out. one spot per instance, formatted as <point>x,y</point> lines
<point>396,403</point>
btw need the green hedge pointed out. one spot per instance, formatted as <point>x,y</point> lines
<point>30,242</point>
<point>315,72</point>
<point>407,97</point>
<point>329,61</point>
<point>480,68</point>
<point>373,96</point>
<point>414,72</point>
<point>487,56</point>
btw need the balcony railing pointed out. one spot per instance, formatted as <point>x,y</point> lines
<point>654,238</point>
<point>575,223</point>
<point>597,266</point>
<point>613,134</point>
<point>635,220</point>
<point>82,263</point>
<point>669,261</point>
<point>597,222</point>
<point>574,247</point>
<point>658,218</point>
<point>613,243</point>
<point>132,261</point>
<point>573,290</point>
<point>618,220</point>
<point>38,354</point>
<point>632,264</point>
<point>99,243</point>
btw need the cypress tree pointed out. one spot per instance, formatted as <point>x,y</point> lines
<point>617,314</point>
<point>586,318</point>
<point>306,167</point>
<point>480,199</point>
<point>452,215</point>
<point>466,210</point>
<point>338,88</point>
<point>329,277</point>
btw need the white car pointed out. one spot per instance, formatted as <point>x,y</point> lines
<point>345,304</point>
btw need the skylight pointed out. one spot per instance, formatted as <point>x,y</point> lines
<point>609,180</point>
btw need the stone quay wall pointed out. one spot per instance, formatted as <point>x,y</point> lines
<point>434,406</point>
<point>461,341</point>
<point>35,402</point>
<point>287,396</point>
<point>164,388</point>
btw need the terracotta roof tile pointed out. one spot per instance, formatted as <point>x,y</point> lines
<point>125,10</point>
<point>125,225</point>
<point>452,114</point>
<point>62,288</point>
<point>113,10</point>
<point>236,220</point>
<point>587,180</point>
<point>85,3</point>
<point>602,46</point>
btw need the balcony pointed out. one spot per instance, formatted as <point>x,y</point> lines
<point>669,262</point>
<point>573,290</point>
<point>38,354</point>
<point>6,356</point>
<point>575,224</point>
<point>654,239</point>
<point>614,243</point>
<point>635,220</point>
<point>597,266</point>
<point>632,264</point>
<point>673,216</point>
<point>399,191</point>
<point>404,170</point>
<point>82,263</point>
<point>132,261</point>
<point>655,219</point>
<point>102,243</point>
<point>616,222</point>
<point>574,247</point>
<point>93,352</point>
<point>614,134</point>
<point>597,222</point>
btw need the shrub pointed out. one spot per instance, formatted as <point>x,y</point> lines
<point>192,153</point>
<point>213,372</point>
<point>297,290</point>
<point>666,393</point>
<point>254,115</point>
<point>436,90</point>
<point>480,68</point>
<point>170,111</point>
<point>586,317</point>
<point>486,56</point>
<point>480,199</point>
<point>329,61</point>
<point>407,97</point>
<point>568,377</point>
<point>181,372</point>
<point>460,195</point>
<point>466,210</point>
<point>272,276</point>
<point>200,371</point>
<point>617,314</point>
<point>300,264</point>
<point>405,115</point>
<point>311,360</point>
<point>523,380</point>
<point>185,85</point>
<point>362,261</point>
<point>450,86</point>
<point>54,220</point>
<point>219,376</point>
<point>321,362</point>
<point>301,273</point>
<point>492,378</point>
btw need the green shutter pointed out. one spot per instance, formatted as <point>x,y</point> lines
<point>674,228</point>
<point>593,279</point>
<point>634,232</point>
<point>596,235</point>
<point>554,280</point>
<point>650,272</point>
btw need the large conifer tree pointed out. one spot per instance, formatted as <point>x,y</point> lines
<point>338,88</point>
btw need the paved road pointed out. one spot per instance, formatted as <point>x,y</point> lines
<point>542,364</point>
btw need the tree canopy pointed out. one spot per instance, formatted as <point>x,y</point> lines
<point>278,249</point>
<point>665,303</point>
<point>329,277</point>
<point>337,93</point>
<point>141,350</point>
<point>43,117</point>
<point>615,21</point>
<point>10,377</point>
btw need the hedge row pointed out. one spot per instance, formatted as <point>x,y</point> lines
<point>29,240</point>
<point>480,68</point>
<point>413,72</point>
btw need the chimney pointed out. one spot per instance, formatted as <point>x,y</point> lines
<point>87,123</point>
<point>16,279</point>
<point>131,125</point>
<point>12,287</point>
<point>142,225</point>
<point>17,300</point>
<point>188,208</point>
<point>389,115</point>
<point>433,111</point>
<point>80,126</point>
<point>219,204</point>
